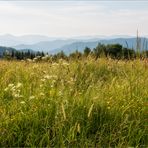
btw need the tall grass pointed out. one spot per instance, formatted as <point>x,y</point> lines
<point>85,103</point>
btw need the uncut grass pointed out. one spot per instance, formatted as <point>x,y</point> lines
<point>79,103</point>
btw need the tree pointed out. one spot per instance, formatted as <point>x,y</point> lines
<point>100,50</point>
<point>42,54</point>
<point>61,55</point>
<point>28,54</point>
<point>114,50</point>
<point>128,53</point>
<point>13,54</point>
<point>76,55</point>
<point>87,51</point>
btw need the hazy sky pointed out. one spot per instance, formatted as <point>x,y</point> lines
<point>63,18</point>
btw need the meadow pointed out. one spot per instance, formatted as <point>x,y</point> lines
<point>80,103</point>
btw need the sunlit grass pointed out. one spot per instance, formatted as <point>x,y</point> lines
<point>84,103</point>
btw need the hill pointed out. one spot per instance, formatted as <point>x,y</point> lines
<point>45,46</point>
<point>125,42</point>
<point>5,49</point>
<point>70,45</point>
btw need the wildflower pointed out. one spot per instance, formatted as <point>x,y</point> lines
<point>108,107</point>
<point>43,58</point>
<point>14,90</point>
<point>55,64</point>
<point>43,80</point>
<point>6,89</point>
<point>19,85</point>
<point>28,60</point>
<point>47,77</point>
<point>71,89</point>
<point>108,102</point>
<point>36,59</point>
<point>60,93</point>
<point>65,63</point>
<point>10,85</point>
<point>16,95</point>
<point>41,84</point>
<point>31,97</point>
<point>42,94</point>
<point>52,86</point>
<point>22,102</point>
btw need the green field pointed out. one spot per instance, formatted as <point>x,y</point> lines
<point>85,103</point>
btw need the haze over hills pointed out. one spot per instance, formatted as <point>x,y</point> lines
<point>80,46</point>
<point>11,40</point>
<point>53,45</point>
<point>70,45</point>
<point>45,46</point>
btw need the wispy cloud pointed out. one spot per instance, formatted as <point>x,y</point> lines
<point>73,18</point>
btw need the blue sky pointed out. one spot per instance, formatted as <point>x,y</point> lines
<point>73,18</point>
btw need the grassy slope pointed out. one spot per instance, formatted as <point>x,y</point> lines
<point>83,103</point>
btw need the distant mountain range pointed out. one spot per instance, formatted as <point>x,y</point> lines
<point>70,45</point>
<point>125,42</point>
<point>53,45</point>
<point>46,46</point>
<point>11,40</point>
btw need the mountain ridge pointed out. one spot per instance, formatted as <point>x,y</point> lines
<point>128,43</point>
<point>69,45</point>
<point>15,40</point>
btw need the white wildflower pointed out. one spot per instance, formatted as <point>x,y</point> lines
<point>42,94</point>
<point>22,102</point>
<point>14,90</point>
<point>65,63</point>
<point>60,93</point>
<point>10,85</point>
<point>28,60</point>
<point>43,80</point>
<point>47,77</point>
<point>16,95</point>
<point>31,97</point>
<point>55,64</point>
<point>6,89</point>
<point>19,85</point>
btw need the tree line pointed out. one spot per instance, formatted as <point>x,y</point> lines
<point>115,51</point>
<point>22,55</point>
